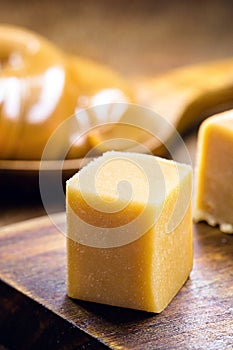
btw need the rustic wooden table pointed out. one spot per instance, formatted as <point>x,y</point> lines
<point>135,38</point>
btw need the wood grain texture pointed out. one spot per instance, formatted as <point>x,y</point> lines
<point>25,325</point>
<point>32,258</point>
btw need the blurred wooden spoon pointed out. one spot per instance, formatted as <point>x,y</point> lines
<point>183,97</point>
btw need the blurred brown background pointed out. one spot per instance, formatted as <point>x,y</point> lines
<point>134,37</point>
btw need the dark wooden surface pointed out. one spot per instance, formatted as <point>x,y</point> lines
<point>25,324</point>
<point>32,258</point>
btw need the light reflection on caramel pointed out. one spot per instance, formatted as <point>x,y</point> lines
<point>40,87</point>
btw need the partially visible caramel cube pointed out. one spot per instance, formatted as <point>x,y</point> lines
<point>214,186</point>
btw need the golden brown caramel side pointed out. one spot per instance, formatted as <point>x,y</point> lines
<point>129,248</point>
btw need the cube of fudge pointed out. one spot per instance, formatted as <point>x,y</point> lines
<point>214,191</point>
<point>129,231</point>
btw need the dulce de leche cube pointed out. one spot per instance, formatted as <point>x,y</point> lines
<point>214,191</point>
<point>129,231</point>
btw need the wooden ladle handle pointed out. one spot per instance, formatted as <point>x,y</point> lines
<point>181,99</point>
<point>185,96</point>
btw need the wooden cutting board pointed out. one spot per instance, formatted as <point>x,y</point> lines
<point>33,262</point>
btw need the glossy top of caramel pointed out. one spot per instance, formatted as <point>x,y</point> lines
<point>41,86</point>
